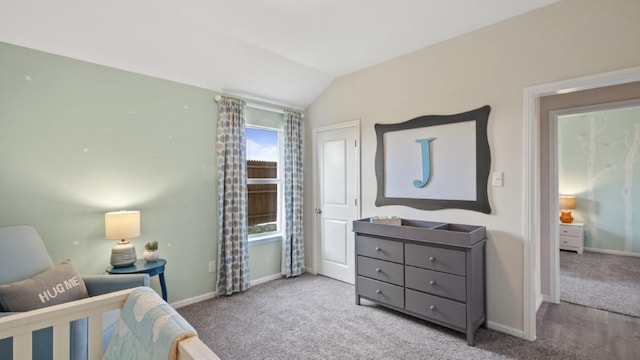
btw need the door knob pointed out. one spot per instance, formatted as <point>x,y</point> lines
<point>318,211</point>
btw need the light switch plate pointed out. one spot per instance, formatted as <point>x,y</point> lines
<point>497,178</point>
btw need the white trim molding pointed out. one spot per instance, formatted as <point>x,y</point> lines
<point>505,329</point>
<point>549,299</point>
<point>612,252</point>
<point>211,295</point>
<point>192,300</point>
<point>531,161</point>
<point>266,279</point>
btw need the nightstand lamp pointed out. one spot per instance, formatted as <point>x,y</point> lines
<point>567,203</point>
<point>122,225</point>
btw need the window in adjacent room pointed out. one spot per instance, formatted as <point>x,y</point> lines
<point>264,181</point>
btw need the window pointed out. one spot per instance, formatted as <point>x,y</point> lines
<point>264,181</point>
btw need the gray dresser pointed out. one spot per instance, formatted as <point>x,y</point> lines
<point>433,271</point>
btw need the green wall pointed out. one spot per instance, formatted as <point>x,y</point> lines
<point>599,163</point>
<point>265,260</point>
<point>79,139</point>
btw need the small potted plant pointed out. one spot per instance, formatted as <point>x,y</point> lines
<point>151,251</point>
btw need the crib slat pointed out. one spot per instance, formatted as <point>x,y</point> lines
<point>61,341</point>
<point>95,337</point>
<point>22,346</point>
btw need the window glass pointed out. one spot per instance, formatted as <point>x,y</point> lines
<point>263,180</point>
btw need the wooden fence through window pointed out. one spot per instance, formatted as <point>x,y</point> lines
<point>262,199</point>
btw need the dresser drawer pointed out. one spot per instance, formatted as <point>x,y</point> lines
<point>381,270</point>
<point>568,230</point>
<point>437,308</point>
<point>377,290</point>
<point>380,249</point>
<point>570,241</point>
<point>436,283</point>
<point>433,258</point>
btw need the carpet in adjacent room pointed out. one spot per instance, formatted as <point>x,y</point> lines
<point>601,281</point>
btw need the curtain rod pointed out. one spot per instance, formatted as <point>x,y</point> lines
<point>258,106</point>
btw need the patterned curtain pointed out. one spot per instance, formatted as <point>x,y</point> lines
<point>233,244</point>
<point>293,245</point>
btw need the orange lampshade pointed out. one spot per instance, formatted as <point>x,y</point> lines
<point>567,202</point>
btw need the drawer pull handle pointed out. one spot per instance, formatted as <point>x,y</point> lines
<point>432,307</point>
<point>378,291</point>
<point>378,248</point>
<point>378,270</point>
<point>432,282</point>
<point>432,259</point>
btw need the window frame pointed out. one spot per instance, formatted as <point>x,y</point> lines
<point>270,236</point>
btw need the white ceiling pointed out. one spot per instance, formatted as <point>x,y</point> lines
<point>283,51</point>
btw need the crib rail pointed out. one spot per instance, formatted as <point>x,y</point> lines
<point>21,325</point>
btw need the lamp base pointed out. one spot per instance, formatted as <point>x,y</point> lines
<point>123,254</point>
<point>565,217</point>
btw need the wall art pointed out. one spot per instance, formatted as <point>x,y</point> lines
<point>435,162</point>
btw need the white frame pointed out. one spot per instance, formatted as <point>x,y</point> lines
<point>531,206</point>
<point>272,235</point>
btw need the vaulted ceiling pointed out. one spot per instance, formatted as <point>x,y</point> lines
<point>282,51</point>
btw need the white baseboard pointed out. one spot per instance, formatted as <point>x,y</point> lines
<point>539,300</point>
<point>310,270</point>
<point>265,279</point>
<point>193,300</point>
<point>211,295</point>
<point>546,298</point>
<point>612,252</point>
<point>505,329</point>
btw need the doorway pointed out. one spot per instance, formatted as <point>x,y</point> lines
<point>337,203</point>
<point>592,153</point>
<point>602,88</point>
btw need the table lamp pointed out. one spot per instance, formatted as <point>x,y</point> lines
<point>122,225</point>
<point>567,203</point>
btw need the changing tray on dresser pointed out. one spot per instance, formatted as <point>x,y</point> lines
<point>432,271</point>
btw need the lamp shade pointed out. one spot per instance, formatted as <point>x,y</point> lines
<point>567,202</point>
<point>122,225</point>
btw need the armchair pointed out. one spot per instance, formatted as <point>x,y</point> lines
<point>22,256</point>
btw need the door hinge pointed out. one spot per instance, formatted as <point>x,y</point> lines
<point>355,143</point>
<point>355,201</point>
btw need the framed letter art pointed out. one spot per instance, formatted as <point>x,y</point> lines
<point>435,162</point>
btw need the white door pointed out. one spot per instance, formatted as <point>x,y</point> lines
<point>337,179</point>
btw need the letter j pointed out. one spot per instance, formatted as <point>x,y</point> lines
<point>426,162</point>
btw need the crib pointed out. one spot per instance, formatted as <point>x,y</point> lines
<point>21,325</point>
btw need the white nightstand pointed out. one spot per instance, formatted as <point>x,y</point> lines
<point>572,237</point>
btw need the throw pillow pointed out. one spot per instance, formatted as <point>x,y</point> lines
<point>58,285</point>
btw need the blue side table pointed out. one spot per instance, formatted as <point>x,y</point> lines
<point>143,267</point>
